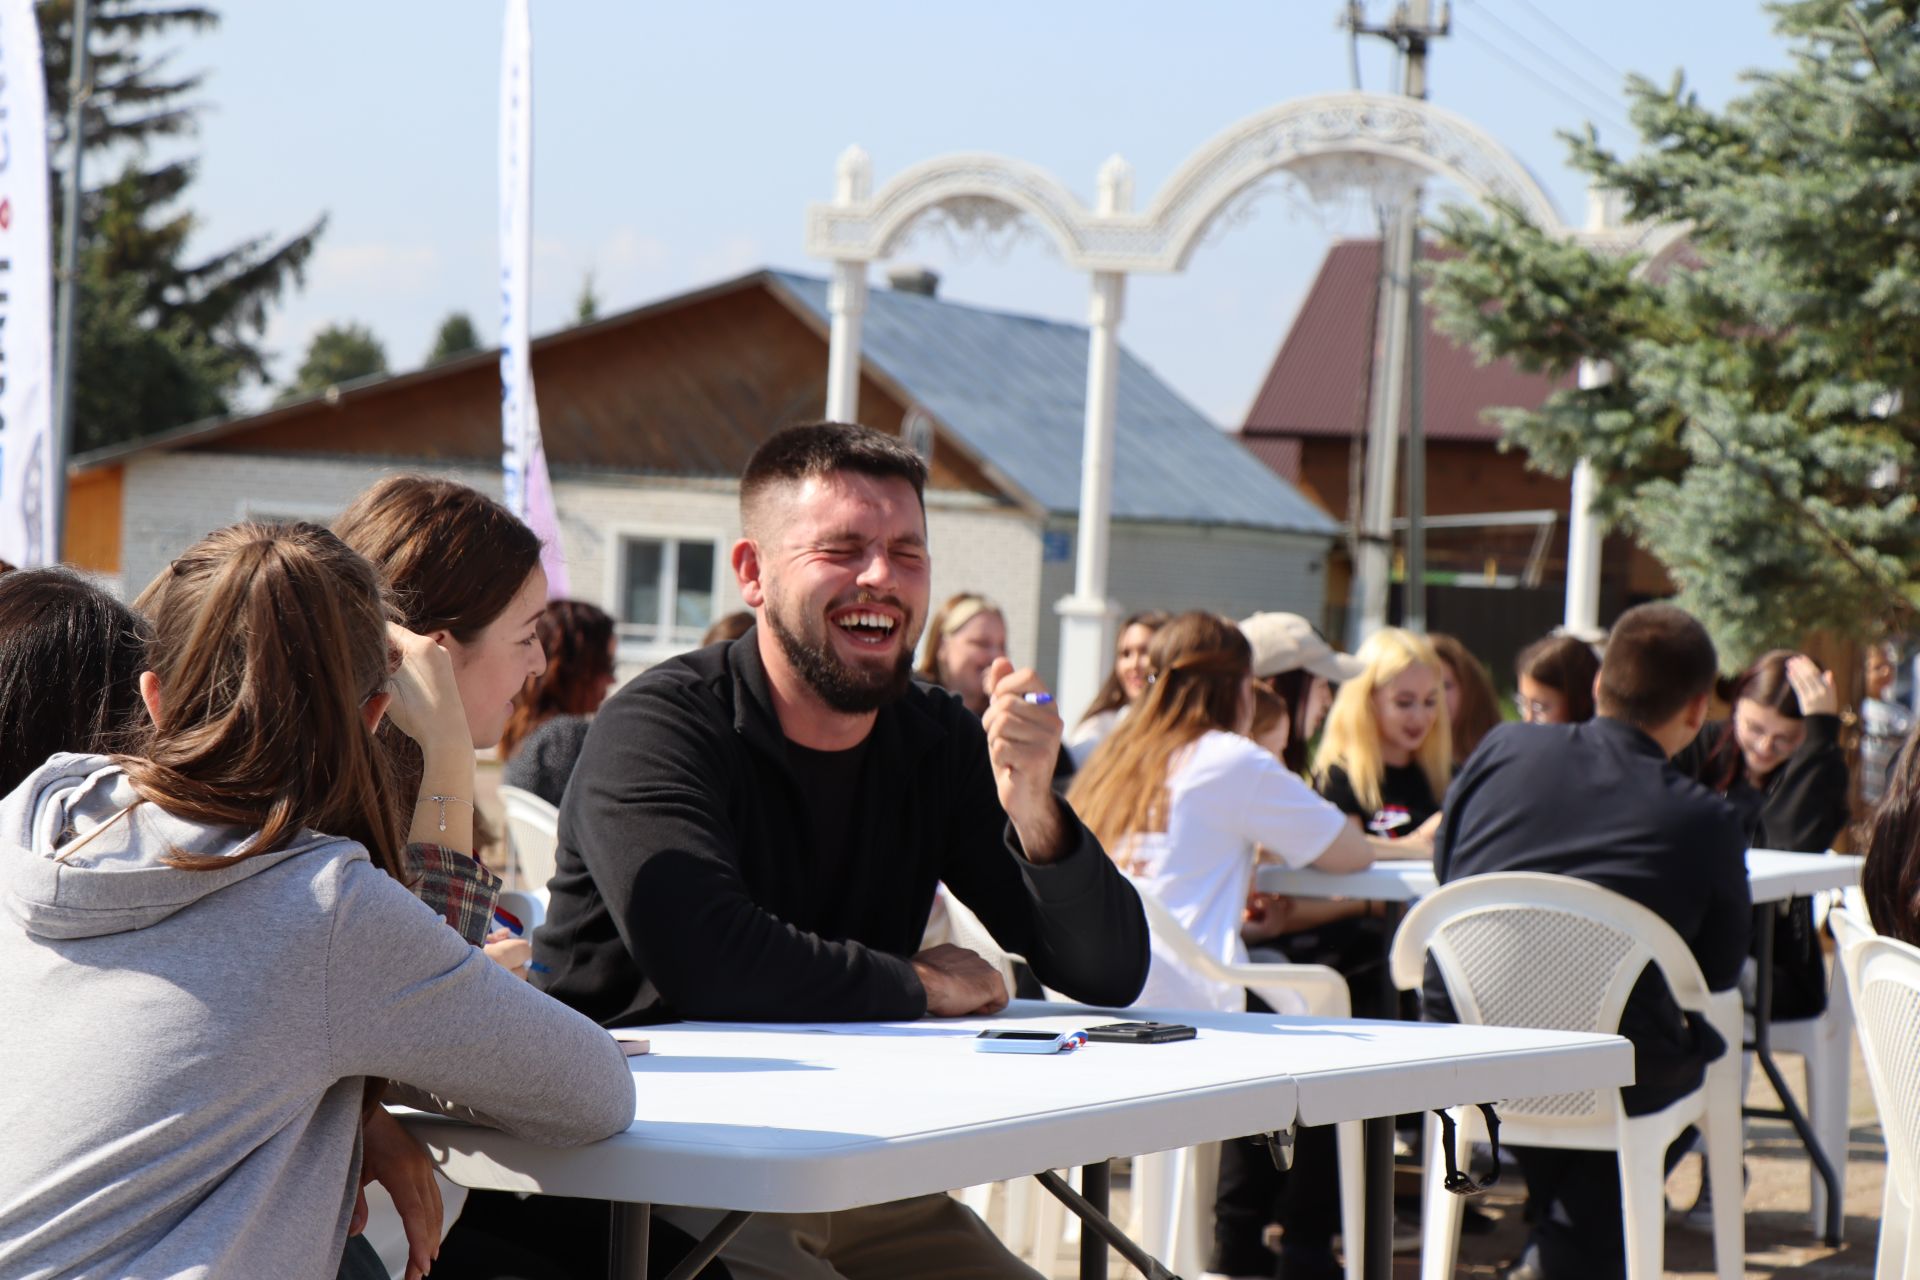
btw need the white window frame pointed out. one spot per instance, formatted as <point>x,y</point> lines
<point>636,648</point>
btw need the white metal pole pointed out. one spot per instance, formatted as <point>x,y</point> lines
<point>847,296</point>
<point>847,303</point>
<point>1583,529</point>
<point>1087,616</point>
<point>1373,564</point>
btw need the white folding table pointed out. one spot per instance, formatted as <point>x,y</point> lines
<point>817,1118</point>
<point>1773,875</point>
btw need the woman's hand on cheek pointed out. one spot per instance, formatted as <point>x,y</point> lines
<point>426,696</point>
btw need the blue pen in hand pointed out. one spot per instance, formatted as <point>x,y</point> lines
<point>1042,699</point>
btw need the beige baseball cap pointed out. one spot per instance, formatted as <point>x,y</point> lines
<point>1287,642</point>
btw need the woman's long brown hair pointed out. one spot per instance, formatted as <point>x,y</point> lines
<point>453,557</point>
<point>1890,879</point>
<point>1200,666</point>
<point>267,642</point>
<point>1479,704</point>
<point>578,640</point>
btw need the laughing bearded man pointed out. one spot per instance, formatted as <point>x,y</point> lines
<point>754,830</point>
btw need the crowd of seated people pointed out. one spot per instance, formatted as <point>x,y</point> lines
<point>267,765</point>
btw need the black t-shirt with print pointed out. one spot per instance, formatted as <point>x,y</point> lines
<point>1406,800</point>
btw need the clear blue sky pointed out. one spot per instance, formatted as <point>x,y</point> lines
<point>676,145</point>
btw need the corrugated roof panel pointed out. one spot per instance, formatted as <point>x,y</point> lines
<point>1013,389</point>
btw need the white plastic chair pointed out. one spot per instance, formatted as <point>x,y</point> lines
<point>529,908</point>
<point>1825,1045</point>
<point>1520,949</point>
<point>1172,1191</point>
<point>1883,977</point>
<point>533,833</point>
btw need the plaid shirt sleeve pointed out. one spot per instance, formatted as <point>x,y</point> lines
<point>456,886</point>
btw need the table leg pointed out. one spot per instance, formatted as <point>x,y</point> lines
<point>627,1239</point>
<point>709,1249</point>
<point>1378,1144</point>
<point>628,1228</point>
<point>1762,1046</point>
<point>1095,1223</point>
<point>1095,1180</point>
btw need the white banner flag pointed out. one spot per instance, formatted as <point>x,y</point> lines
<point>28,468</point>
<point>523,458</point>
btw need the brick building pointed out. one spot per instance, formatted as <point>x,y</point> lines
<point>1495,524</point>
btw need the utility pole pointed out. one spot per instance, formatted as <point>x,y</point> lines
<point>1399,342</point>
<point>80,88</point>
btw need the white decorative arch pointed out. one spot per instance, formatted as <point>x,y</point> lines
<point>1330,143</point>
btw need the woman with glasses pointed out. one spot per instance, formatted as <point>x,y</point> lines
<point>1778,760</point>
<point>1555,675</point>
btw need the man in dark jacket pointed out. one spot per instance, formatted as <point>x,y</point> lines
<point>1602,802</point>
<point>755,830</point>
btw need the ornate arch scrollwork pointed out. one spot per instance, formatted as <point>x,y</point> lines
<point>1331,142</point>
<point>972,195</point>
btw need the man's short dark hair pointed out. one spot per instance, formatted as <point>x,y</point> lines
<point>1658,659</point>
<point>816,449</point>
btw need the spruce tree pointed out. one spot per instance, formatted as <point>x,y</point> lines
<point>1760,432</point>
<point>164,338</point>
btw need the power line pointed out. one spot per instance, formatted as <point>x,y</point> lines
<point>1603,94</point>
<point>1572,39</point>
<point>1606,114</point>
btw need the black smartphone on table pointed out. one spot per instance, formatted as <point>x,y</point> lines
<point>1140,1033</point>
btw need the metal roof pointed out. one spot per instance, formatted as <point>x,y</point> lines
<point>1013,389</point>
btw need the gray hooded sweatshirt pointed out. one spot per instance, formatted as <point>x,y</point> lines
<point>182,1053</point>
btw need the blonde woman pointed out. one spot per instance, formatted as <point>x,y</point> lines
<point>1387,752</point>
<point>964,636</point>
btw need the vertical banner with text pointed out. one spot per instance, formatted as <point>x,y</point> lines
<point>27,462</point>
<point>523,458</point>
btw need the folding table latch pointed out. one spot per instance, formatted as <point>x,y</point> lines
<point>1464,1184</point>
<point>1280,1147</point>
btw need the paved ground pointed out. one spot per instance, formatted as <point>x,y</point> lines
<point>1781,1242</point>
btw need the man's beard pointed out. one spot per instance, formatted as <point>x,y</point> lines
<point>847,689</point>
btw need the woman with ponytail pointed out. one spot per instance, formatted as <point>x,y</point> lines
<point>210,941</point>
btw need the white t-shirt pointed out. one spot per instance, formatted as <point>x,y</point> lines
<point>1091,732</point>
<point>1226,797</point>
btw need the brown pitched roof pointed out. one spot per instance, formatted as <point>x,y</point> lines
<point>1318,384</point>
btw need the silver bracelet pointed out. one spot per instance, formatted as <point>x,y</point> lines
<point>442,802</point>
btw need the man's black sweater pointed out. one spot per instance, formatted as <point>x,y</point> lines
<point>687,884</point>
<point>1600,802</point>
